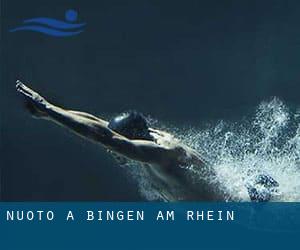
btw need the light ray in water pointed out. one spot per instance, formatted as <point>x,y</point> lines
<point>267,142</point>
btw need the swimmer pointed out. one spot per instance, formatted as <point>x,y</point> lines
<point>129,136</point>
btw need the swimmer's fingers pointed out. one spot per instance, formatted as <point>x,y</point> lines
<point>23,89</point>
<point>28,93</point>
<point>37,102</point>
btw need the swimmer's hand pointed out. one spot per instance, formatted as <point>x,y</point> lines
<point>35,103</point>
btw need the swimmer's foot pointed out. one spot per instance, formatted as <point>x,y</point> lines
<point>34,103</point>
<point>263,188</point>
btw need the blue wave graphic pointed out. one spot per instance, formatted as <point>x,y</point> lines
<point>47,31</point>
<point>55,27</point>
<point>53,23</point>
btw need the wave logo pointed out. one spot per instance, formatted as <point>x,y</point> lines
<point>53,27</point>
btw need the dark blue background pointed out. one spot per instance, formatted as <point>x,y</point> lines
<point>182,62</point>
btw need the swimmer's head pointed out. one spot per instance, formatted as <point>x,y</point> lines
<point>132,125</point>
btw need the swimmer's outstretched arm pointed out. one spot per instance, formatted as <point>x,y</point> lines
<point>95,129</point>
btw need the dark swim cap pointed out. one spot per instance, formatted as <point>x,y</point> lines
<point>132,125</point>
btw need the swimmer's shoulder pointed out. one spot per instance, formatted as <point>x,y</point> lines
<point>185,155</point>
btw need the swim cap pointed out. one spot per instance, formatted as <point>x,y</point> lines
<point>132,125</point>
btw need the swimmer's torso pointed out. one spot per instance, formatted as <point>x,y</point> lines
<point>177,179</point>
<point>181,183</point>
